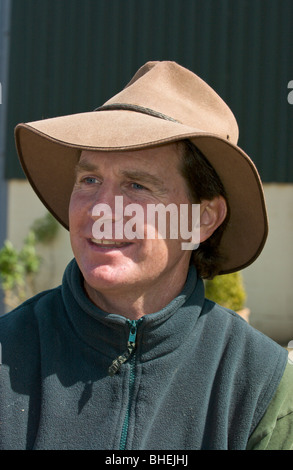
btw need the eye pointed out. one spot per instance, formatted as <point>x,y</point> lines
<point>138,186</point>
<point>89,180</point>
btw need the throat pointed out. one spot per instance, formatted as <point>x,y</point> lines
<point>132,304</point>
<point>123,304</point>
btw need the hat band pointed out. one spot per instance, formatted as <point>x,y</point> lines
<point>137,109</point>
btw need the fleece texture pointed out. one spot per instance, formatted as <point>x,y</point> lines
<point>200,378</point>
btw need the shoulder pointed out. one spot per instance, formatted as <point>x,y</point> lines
<point>29,305</point>
<point>245,346</point>
<point>21,332</point>
<point>232,324</point>
<point>21,324</point>
<point>235,328</point>
<point>275,430</point>
<point>251,359</point>
<point>251,349</point>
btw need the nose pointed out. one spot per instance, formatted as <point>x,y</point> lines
<point>108,203</point>
<point>110,210</point>
<point>106,193</point>
<point>109,217</point>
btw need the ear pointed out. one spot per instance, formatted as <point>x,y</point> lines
<point>212,215</point>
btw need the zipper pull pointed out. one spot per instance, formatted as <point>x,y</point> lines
<point>117,363</point>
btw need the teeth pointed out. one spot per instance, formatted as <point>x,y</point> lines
<point>106,242</point>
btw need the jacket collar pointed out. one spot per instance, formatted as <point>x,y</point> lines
<point>157,333</point>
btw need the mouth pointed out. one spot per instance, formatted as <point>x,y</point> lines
<point>109,243</point>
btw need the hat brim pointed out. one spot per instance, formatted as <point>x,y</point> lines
<point>49,151</point>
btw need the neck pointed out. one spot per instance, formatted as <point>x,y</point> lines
<point>134,304</point>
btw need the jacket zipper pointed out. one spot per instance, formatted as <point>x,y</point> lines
<point>114,368</point>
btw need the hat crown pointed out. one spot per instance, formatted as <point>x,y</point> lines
<point>172,90</point>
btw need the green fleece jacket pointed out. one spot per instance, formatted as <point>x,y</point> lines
<point>192,376</point>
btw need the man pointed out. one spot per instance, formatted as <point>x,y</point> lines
<point>127,353</point>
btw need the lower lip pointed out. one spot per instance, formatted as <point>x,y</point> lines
<point>108,248</point>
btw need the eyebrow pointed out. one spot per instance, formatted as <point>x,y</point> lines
<point>144,177</point>
<point>84,166</point>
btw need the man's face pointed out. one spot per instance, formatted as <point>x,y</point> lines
<point>143,177</point>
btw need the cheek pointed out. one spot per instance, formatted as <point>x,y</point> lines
<point>158,252</point>
<point>78,210</point>
<point>74,215</point>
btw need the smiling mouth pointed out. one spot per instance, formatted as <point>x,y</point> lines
<point>109,243</point>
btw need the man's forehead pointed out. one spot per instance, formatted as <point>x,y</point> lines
<point>150,158</point>
<point>171,148</point>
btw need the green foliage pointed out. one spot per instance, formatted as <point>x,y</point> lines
<point>10,270</point>
<point>18,268</point>
<point>227,290</point>
<point>45,228</point>
<point>28,255</point>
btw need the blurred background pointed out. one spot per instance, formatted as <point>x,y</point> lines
<point>60,57</point>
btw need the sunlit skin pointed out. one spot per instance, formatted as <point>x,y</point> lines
<point>139,276</point>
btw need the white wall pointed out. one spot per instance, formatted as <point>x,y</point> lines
<point>269,281</point>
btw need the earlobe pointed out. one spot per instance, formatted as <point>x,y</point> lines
<point>212,215</point>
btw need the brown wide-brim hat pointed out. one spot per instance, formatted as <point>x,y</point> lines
<point>163,103</point>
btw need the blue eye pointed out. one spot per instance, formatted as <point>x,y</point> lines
<point>90,180</point>
<point>137,186</point>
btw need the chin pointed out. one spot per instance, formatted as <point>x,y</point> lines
<point>105,277</point>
